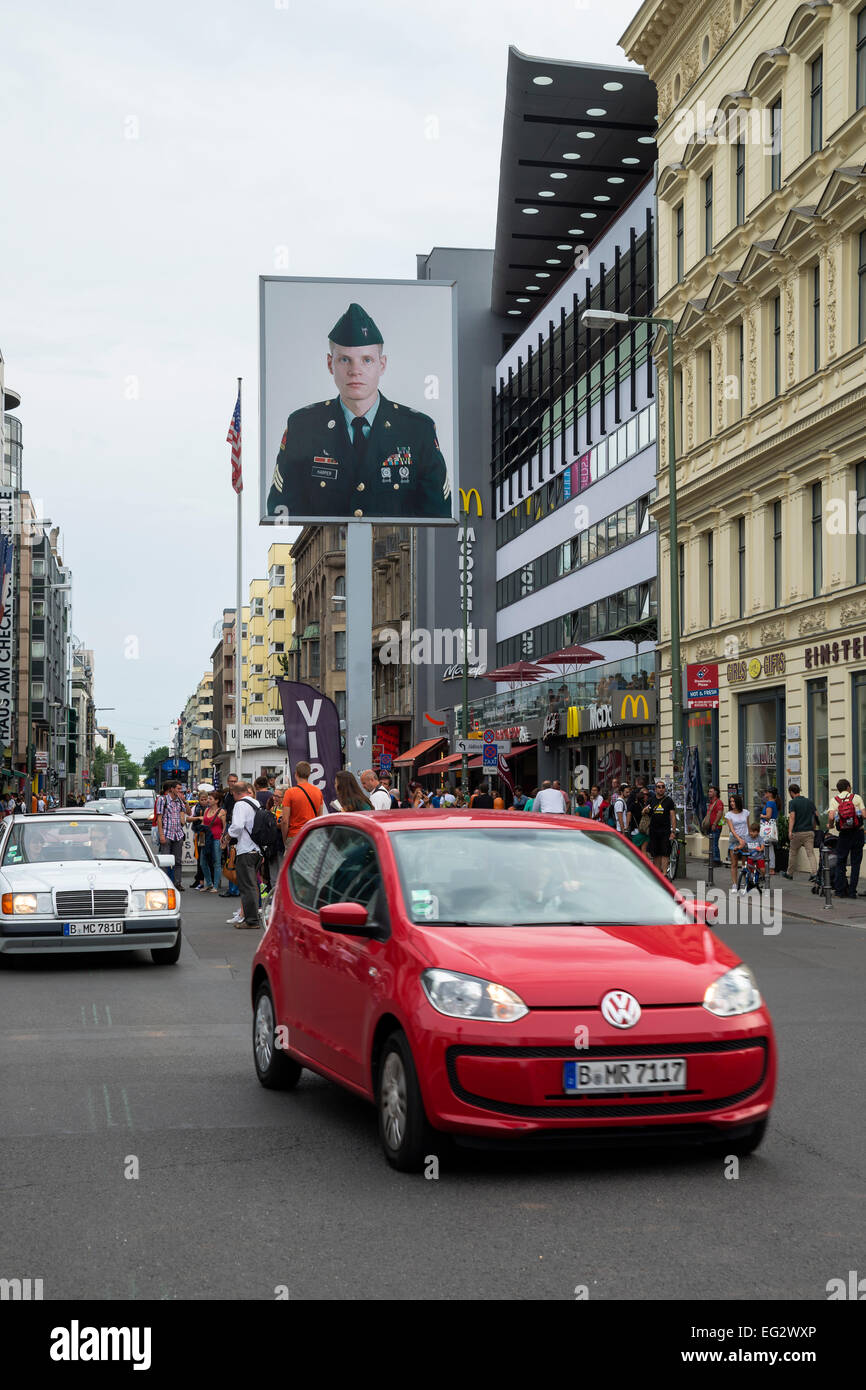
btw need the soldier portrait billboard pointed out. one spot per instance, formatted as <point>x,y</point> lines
<point>358,401</point>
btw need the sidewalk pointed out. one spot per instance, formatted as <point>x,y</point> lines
<point>798,900</point>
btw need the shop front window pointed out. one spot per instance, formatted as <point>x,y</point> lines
<point>762,730</point>
<point>819,755</point>
<point>858,706</point>
<point>702,732</point>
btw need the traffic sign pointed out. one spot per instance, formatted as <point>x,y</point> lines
<point>489,736</point>
<point>385,761</point>
<point>490,757</point>
<point>472,746</point>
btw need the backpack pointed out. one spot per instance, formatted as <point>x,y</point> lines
<point>847,815</point>
<point>265,833</point>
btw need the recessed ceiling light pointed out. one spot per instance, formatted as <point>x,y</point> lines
<point>532,287</point>
<point>559,176</point>
<point>523,300</point>
<point>563,246</point>
<point>630,159</point>
<point>515,311</point>
<point>575,231</point>
<point>542,81</point>
<point>530,212</point>
<point>542,274</point>
<point>612,86</point>
<point>571,155</point>
<point>596,111</point>
<point>546,193</point>
<point>588,216</point>
<point>551,260</point>
<point>601,198</point>
<point>586,135</point>
<point>646,139</point>
<point>616,179</point>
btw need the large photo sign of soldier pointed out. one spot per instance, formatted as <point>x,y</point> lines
<point>358,401</point>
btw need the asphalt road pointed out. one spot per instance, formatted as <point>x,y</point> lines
<point>241,1191</point>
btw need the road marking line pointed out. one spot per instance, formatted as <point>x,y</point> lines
<point>126,1107</point>
<point>107,1104</point>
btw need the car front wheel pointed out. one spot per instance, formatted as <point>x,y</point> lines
<point>167,955</point>
<point>404,1130</point>
<point>275,1069</point>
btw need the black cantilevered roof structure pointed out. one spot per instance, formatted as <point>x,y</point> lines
<point>578,140</point>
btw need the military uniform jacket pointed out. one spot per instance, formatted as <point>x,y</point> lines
<point>402,472</point>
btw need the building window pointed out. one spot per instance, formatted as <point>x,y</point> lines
<point>777,345</point>
<point>708,214</point>
<point>339,651</point>
<point>861,58</point>
<point>819,745</point>
<point>682,563</point>
<point>740,179</point>
<point>741,566</point>
<point>817,540</point>
<point>816,103</point>
<point>37,690</point>
<point>776,145</point>
<point>38,569</point>
<point>277,576</point>
<point>340,702</point>
<point>678,244</point>
<point>816,318</point>
<point>710,578</point>
<point>38,608</point>
<point>257,607</point>
<point>861,291</point>
<point>777,555</point>
<point>860,480</point>
<point>314,660</point>
<point>340,586</point>
<point>277,614</point>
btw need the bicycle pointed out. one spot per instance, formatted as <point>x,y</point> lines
<point>673,861</point>
<point>752,874</point>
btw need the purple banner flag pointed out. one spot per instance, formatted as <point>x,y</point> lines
<point>312,733</point>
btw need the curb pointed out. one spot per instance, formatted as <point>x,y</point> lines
<point>804,916</point>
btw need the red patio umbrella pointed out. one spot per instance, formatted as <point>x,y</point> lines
<point>519,673</point>
<point>572,656</point>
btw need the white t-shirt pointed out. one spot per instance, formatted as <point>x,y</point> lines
<point>619,810</point>
<point>551,801</point>
<point>380,800</point>
<point>739,822</point>
<point>596,805</point>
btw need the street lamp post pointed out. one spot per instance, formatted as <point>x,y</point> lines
<point>606,318</point>
<point>464,778</point>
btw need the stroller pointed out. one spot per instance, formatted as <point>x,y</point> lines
<point>753,871</point>
<point>825,878</point>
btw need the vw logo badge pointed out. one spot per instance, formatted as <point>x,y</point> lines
<point>620,1008</point>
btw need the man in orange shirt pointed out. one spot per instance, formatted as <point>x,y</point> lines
<point>301,803</point>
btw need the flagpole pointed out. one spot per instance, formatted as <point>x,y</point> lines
<point>239,620</point>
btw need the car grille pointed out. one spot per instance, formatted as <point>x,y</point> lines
<point>580,1107</point>
<point>87,902</point>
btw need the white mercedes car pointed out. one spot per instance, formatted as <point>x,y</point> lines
<point>72,882</point>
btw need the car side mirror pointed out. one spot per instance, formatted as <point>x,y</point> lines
<point>350,918</point>
<point>699,910</point>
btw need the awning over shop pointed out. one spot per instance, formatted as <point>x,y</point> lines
<point>515,753</point>
<point>442,765</point>
<point>418,751</point>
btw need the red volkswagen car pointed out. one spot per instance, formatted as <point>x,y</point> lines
<point>494,975</point>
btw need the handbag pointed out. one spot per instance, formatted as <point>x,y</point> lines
<point>644,823</point>
<point>229,869</point>
<point>769,832</point>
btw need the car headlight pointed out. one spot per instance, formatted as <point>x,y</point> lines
<point>733,993</point>
<point>158,900</point>
<point>20,903</point>
<point>465,996</point>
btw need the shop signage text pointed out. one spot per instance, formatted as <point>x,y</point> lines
<point>702,684</point>
<point>829,653</point>
<point>624,707</point>
<point>773,664</point>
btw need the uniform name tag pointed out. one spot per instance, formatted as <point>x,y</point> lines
<point>320,471</point>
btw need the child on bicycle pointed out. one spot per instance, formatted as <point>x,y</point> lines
<point>754,863</point>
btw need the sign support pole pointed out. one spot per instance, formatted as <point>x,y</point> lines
<point>239,624</point>
<point>359,644</point>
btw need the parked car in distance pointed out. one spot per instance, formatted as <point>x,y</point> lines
<point>115,793</point>
<point>73,882</point>
<point>508,977</point>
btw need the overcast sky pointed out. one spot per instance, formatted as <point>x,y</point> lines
<point>157,159</point>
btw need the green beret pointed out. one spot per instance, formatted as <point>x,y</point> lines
<point>355,329</point>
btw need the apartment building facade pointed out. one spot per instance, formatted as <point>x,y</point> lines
<point>762,267</point>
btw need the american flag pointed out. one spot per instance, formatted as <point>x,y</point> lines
<point>234,438</point>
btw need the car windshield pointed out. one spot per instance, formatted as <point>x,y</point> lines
<point>54,842</point>
<point>115,792</point>
<point>138,803</point>
<point>529,876</point>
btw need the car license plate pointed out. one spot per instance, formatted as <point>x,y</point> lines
<point>628,1074</point>
<point>92,928</point>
